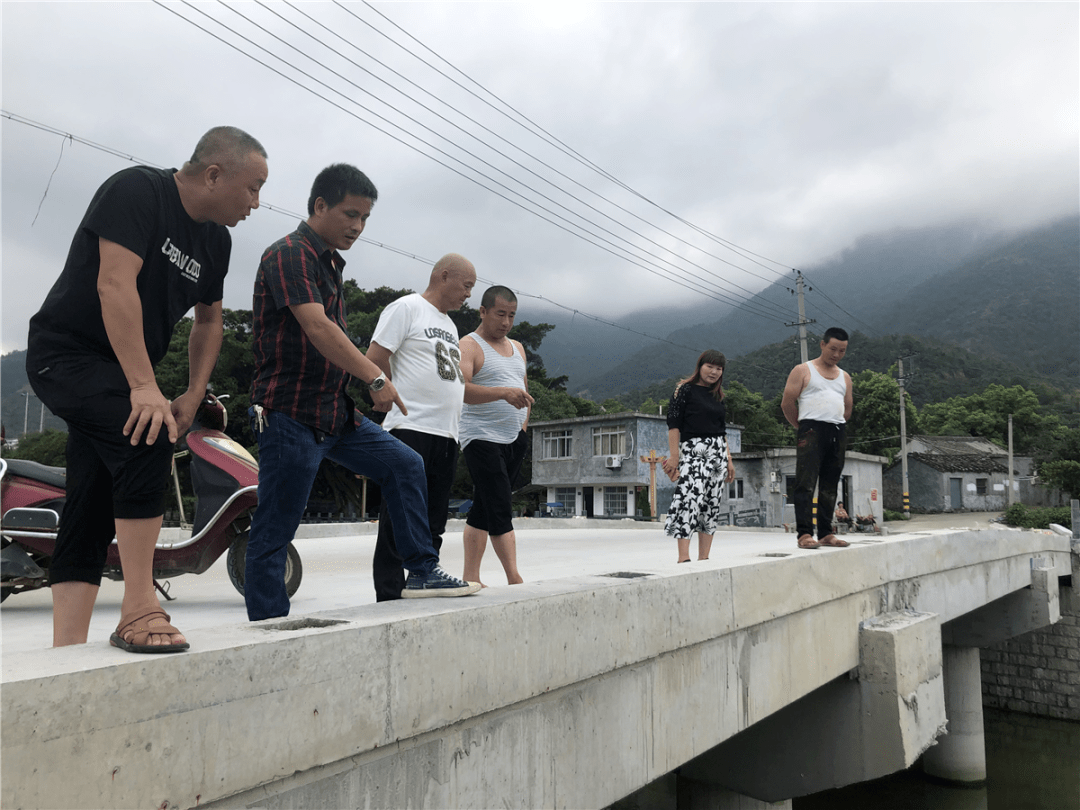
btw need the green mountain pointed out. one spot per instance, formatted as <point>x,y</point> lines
<point>1006,302</point>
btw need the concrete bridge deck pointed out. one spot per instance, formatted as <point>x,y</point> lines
<point>569,691</point>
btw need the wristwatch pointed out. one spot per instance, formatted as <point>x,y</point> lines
<point>378,383</point>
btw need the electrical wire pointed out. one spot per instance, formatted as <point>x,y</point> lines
<point>294,215</point>
<point>607,246</point>
<point>544,134</point>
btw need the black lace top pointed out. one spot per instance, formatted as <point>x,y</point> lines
<point>695,413</point>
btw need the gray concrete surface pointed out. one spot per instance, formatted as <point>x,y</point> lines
<point>337,569</point>
<point>527,692</point>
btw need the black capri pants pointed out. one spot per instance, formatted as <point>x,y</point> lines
<point>107,477</point>
<point>493,468</point>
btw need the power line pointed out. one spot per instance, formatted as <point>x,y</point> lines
<point>548,137</point>
<point>660,272</point>
<point>294,215</point>
<point>759,308</point>
<point>490,131</point>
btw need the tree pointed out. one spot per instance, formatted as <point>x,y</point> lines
<point>48,448</point>
<point>757,418</point>
<point>987,415</point>
<point>874,426</point>
<point>1063,475</point>
<point>231,377</point>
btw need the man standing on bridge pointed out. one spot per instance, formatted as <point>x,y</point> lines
<point>304,361</point>
<point>493,430</point>
<point>817,402</point>
<point>415,344</point>
<point>153,244</point>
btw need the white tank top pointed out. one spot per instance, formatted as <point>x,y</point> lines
<point>823,400</point>
<point>497,421</point>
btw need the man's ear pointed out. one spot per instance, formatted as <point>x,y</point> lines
<point>213,175</point>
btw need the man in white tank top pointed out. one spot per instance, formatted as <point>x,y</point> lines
<point>494,420</point>
<point>817,402</point>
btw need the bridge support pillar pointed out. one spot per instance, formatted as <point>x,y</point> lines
<point>960,756</point>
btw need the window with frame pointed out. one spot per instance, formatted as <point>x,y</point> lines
<point>735,490</point>
<point>567,496</point>
<point>609,440</point>
<point>615,501</point>
<point>980,486</point>
<point>557,443</point>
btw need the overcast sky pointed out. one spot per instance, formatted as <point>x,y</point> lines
<point>787,129</point>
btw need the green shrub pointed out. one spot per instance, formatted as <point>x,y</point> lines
<point>891,515</point>
<point>1038,517</point>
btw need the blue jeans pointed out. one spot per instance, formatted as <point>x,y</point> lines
<point>289,458</point>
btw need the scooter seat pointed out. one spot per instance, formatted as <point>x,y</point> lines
<point>53,476</point>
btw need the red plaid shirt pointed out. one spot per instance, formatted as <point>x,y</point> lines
<point>291,376</point>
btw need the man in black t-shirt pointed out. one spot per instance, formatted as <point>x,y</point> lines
<point>152,245</point>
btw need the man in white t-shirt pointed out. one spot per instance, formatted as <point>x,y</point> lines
<point>416,345</point>
<point>817,401</point>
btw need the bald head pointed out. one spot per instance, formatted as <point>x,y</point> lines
<point>227,147</point>
<point>451,282</point>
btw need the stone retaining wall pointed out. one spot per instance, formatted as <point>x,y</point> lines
<point>1039,673</point>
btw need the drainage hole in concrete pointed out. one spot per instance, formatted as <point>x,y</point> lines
<point>625,575</point>
<point>303,624</point>
<point>776,554</point>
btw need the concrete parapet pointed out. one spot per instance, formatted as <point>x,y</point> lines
<point>570,692</point>
<point>875,721</point>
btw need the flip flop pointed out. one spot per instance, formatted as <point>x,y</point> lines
<point>807,541</point>
<point>140,631</point>
<point>834,541</point>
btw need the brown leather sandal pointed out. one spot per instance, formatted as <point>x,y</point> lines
<point>137,630</point>
<point>807,541</point>
<point>834,541</point>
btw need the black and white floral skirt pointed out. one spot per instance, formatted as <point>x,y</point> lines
<point>699,491</point>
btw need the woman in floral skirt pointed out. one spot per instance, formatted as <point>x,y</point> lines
<point>698,457</point>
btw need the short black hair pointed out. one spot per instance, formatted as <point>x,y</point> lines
<point>225,146</point>
<point>498,291</point>
<point>336,182</point>
<point>834,333</point>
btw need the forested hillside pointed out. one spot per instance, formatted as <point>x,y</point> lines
<point>1011,301</point>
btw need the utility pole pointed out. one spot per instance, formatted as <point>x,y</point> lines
<point>1010,462</point>
<point>800,286</point>
<point>26,410</point>
<point>903,436</point>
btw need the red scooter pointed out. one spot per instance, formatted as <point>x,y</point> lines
<point>224,476</point>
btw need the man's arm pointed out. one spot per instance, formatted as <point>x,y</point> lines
<point>849,397</point>
<point>204,346</point>
<point>121,311</point>
<point>796,382</point>
<point>336,347</point>
<point>380,356</point>
<point>479,394</point>
<point>528,415</point>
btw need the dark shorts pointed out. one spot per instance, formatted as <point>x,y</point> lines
<point>107,478</point>
<point>493,468</point>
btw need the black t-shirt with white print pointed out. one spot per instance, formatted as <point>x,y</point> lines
<point>184,263</point>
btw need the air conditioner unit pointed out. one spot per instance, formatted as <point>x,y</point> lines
<point>613,462</point>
